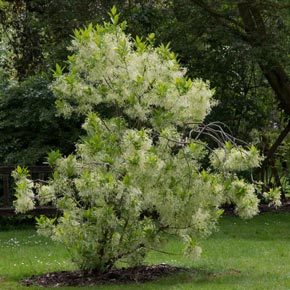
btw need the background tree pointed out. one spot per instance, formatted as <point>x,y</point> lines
<point>28,123</point>
<point>247,63</point>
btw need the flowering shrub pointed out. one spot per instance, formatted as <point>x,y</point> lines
<point>134,177</point>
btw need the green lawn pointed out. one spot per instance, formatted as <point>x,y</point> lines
<point>253,254</point>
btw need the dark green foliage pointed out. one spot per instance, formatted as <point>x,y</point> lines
<point>41,31</point>
<point>8,223</point>
<point>29,127</point>
<point>216,53</point>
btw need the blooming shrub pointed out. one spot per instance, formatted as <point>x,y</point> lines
<point>134,177</point>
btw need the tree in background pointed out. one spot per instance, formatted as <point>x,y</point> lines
<point>28,121</point>
<point>29,124</point>
<point>242,47</point>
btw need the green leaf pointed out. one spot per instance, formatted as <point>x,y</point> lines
<point>139,44</point>
<point>114,16</point>
<point>126,180</point>
<point>151,38</point>
<point>114,11</point>
<point>21,171</point>
<point>52,158</point>
<point>3,4</point>
<point>58,71</point>
<point>228,145</point>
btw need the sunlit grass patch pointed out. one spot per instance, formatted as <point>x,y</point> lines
<point>24,253</point>
<point>243,254</point>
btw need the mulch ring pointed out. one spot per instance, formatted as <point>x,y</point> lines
<point>139,274</point>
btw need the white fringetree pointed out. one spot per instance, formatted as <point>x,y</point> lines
<point>137,174</point>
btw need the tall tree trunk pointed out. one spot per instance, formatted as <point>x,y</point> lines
<point>253,31</point>
<point>258,37</point>
<point>274,73</point>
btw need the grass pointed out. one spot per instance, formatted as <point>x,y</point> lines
<point>251,254</point>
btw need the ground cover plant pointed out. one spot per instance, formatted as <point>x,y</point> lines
<point>243,254</point>
<point>137,176</point>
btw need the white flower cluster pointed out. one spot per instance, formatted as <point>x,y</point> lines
<point>273,196</point>
<point>243,195</point>
<point>46,194</point>
<point>146,85</point>
<point>24,188</point>
<point>191,250</point>
<point>233,158</point>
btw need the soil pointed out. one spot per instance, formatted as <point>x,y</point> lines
<point>138,274</point>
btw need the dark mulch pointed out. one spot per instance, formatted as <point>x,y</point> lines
<point>124,275</point>
<point>285,207</point>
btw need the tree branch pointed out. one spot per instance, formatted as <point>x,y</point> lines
<point>225,20</point>
<point>271,67</point>
<point>277,143</point>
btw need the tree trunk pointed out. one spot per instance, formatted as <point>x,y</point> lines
<point>272,68</point>
<point>274,73</point>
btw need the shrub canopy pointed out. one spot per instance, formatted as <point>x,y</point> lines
<point>137,175</point>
